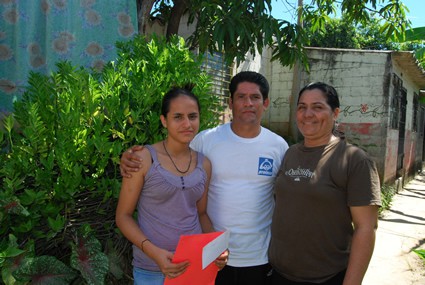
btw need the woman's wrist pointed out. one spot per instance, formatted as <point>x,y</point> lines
<point>146,240</point>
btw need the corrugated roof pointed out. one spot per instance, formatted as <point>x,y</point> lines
<point>407,60</point>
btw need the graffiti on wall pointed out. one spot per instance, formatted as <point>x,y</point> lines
<point>279,102</point>
<point>366,110</point>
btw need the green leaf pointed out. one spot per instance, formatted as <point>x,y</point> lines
<point>12,205</point>
<point>45,270</point>
<point>416,34</point>
<point>88,258</point>
<point>32,196</point>
<point>420,252</point>
<point>9,122</point>
<point>56,224</point>
<point>10,249</point>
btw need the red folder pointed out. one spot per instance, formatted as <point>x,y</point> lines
<point>190,248</point>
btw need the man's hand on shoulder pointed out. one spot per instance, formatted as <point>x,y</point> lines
<point>130,161</point>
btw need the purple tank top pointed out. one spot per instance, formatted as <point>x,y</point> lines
<point>167,207</point>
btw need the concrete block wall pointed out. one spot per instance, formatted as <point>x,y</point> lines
<point>278,115</point>
<point>358,77</point>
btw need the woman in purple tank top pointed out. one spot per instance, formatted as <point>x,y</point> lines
<point>170,193</point>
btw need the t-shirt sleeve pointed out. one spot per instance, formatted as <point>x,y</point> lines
<point>196,143</point>
<point>363,185</point>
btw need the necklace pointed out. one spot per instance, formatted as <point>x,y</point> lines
<point>175,166</point>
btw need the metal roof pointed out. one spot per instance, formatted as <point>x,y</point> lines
<point>407,60</point>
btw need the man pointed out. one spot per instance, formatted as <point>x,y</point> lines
<point>245,160</point>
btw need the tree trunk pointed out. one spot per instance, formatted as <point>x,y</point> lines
<point>177,12</point>
<point>144,8</point>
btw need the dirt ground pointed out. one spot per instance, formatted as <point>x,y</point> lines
<point>401,229</point>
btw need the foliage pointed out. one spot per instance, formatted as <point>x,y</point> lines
<point>387,194</point>
<point>238,27</point>
<point>45,270</point>
<point>60,179</point>
<point>421,253</point>
<point>414,39</point>
<point>341,33</point>
<point>336,33</point>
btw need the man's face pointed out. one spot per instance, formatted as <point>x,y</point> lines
<point>247,104</point>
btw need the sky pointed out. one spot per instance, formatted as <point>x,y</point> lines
<point>285,9</point>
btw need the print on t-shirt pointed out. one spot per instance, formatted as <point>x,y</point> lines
<point>265,166</point>
<point>297,174</point>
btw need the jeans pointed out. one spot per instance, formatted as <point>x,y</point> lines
<point>146,277</point>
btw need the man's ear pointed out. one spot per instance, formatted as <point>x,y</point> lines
<point>266,103</point>
<point>230,101</point>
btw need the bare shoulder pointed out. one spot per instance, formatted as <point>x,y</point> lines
<point>146,157</point>
<point>143,153</point>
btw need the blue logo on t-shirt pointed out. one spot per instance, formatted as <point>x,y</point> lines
<point>265,166</point>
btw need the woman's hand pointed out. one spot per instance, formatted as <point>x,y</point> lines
<point>221,261</point>
<point>130,162</point>
<point>171,270</point>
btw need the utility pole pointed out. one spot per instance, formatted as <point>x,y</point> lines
<point>296,82</point>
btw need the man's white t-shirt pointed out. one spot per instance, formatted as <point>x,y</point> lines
<point>240,197</point>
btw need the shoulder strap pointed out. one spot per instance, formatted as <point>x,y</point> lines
<point>152,152</point>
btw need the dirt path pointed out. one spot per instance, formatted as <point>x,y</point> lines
<point>400,230</point>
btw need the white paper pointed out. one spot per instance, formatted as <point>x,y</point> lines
<point>214,249</point>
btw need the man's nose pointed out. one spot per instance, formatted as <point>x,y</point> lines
<point>247,101</point>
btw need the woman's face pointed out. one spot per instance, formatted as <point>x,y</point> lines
<point>315,118</point>
<point>182,120</point>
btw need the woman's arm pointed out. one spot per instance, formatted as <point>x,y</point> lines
<point>131,189</point>
<point>365,220</point>
<point>204,219</point>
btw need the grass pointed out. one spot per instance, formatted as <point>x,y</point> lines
<point>387,194</point>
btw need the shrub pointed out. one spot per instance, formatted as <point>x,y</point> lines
<point>60,154</point>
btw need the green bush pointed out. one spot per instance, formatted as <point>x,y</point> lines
<point>60,160</point>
